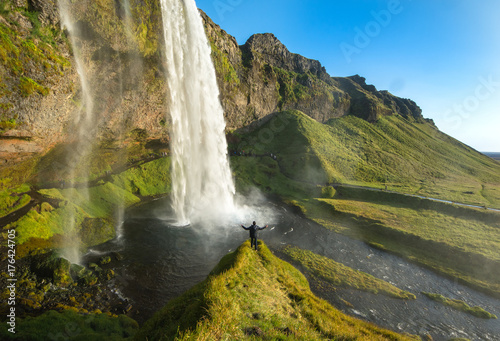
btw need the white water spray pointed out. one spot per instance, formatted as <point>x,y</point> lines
<point>85,117</point>
<point>202,185</point>
<point>83,139</point>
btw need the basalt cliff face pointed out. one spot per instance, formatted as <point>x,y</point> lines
<point>41,95</point>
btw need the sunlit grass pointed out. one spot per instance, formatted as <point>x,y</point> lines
<point>13,199</point>
<point>408,157</point>
<point>101,201</point>
<point>342,276</point>
<point>460,305</point>
<point>69,325</point>
<point>430,241</point>
<point>254,294</point>
<point>469,234</point>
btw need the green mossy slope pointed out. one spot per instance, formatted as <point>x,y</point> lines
<point>461,306</point>
<point>69,325</point>
<point>254,294</point>
<point>406,156</point>
<point>84,208</point>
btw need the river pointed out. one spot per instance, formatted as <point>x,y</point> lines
<point>161,261</point>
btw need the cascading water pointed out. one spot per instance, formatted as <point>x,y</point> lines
<point>202,185</point>
<point>83,141</point>
<point>133,67</point>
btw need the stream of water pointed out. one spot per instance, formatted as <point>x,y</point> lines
<point>82,130</point>
<point>202,184</point>
<point>162,260</point>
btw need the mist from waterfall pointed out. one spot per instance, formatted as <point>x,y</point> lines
<point>131,68</point>
<point>84,124</point>
<point>202,185</point>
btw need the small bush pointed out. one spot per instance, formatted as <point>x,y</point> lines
<point>328,192</point>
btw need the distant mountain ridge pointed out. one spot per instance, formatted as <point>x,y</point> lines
<point>494,156</point>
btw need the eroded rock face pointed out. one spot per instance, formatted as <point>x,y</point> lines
<point>40,89</point>
<point>371,104</point>
<point>127,78</point>
<point>273,52</point>
<point>263,76</point>
<point>48,10</point>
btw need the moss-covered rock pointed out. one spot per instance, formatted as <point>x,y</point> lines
<point>71,325</point>
<point>105,260</point>
<point>460,305</point>
<point>50,265</point>
<point>328,192</point>
<point>108,274</point>
<point>95,231</point>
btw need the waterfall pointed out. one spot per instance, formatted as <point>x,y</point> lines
<point>202,184</point>
<point>131,68</point>
<point>84,123</point>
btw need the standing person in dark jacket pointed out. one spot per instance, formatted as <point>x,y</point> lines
<point>253,233</point>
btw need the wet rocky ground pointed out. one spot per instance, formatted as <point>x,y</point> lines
<point>47,282</point>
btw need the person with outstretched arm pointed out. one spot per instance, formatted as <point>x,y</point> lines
<point>253,233</point>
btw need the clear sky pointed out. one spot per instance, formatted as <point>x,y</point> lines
<point>443,54</point>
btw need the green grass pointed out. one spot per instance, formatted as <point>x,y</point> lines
<point>342,276</point>
<point>149,179</point>
<point>409,157</point>
<point>251,293</point>
<point>287,135</point>
<point>47,223</point>
<point>15,175</point>
<point>13,199</point>
<point>69,325</point>
<point>461,306</point>
<point>264,173</point>
<point>102,158</point>
<point>98,202</point>
<point>469,234</point>
<point>460,256</point>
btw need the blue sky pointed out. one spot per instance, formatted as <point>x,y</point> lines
<point>443,54</point>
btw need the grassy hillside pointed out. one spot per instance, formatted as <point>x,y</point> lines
<point>254,294</point>
<point>406,156</point>
<point>69,325</point>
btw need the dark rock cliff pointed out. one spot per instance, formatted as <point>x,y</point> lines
<point>271,78</point>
